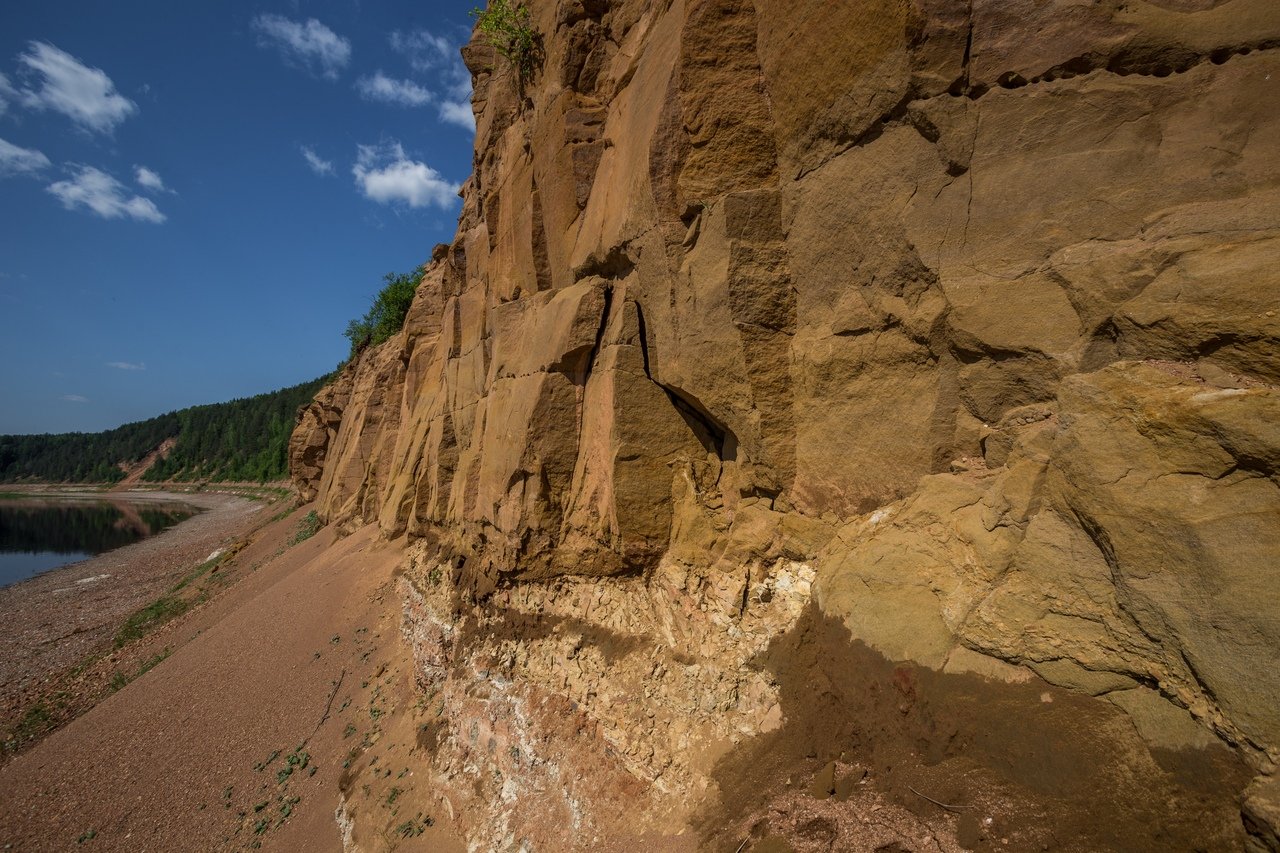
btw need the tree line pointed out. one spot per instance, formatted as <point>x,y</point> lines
<point>242,440</point>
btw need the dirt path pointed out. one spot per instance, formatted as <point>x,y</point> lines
<point>195,754</point>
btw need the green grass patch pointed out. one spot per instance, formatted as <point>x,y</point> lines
<point>153,661</point>
<point>198,572</point>
<point>120,680</point>
<point>84,665</point>
<point>34,723</point>
<point>308,526</point>
<point>39,720</point>
<point>150,617</point>
<point>283,514</point>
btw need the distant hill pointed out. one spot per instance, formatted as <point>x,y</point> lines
<point>245,439</point>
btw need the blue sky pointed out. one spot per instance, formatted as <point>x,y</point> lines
<point>195,199</point>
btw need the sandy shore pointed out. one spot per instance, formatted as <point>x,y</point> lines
<point>52,621</point>
<point>300,655</point>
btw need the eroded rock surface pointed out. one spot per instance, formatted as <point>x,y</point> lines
<point>962,318</point>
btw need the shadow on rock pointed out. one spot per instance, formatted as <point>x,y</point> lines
<point>992,765</point>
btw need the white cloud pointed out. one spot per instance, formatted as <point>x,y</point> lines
<point>317,164</point>
<point>310,44</point>
<point>83,94</point>
<point>459,113</point>
<point>380,87</point>
<point>440,55</point>
<point>74,398</point>
<point>7,93</point>
<point>149,180</point>
<point>18,161</point>
<point>458,80</point>
<point>386,174</point>
<point>126,365</point>
<point>97,191</point>
<point>423,49</point>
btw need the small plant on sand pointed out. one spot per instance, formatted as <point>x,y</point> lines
<point>507,27</point>
<point>415,827</point>
<point>263,765</point>
<point>309,526</point>
<point>296,760</point>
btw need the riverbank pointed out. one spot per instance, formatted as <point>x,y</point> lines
<point>58,629</point>
<point>242,734</point>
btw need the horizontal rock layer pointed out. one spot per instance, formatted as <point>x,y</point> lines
<point>973,309</point>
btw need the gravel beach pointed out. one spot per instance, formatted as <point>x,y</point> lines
<point>51,622</point>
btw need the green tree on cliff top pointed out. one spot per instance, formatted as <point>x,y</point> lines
<point>386,315</point>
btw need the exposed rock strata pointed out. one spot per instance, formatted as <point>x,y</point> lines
<point>970,309</point>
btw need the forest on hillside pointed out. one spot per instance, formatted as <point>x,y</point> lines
<point>242,440</point>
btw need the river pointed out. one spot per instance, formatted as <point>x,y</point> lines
<point>42,533</point>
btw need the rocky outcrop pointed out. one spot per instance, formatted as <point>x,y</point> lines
<point>1121,547</point>
<point>968,311</point>
<point>568,704</point>
<point>315,431</point>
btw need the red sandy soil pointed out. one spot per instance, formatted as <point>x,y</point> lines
<point>290,659</point>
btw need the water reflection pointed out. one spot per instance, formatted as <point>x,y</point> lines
<point>37,535</point>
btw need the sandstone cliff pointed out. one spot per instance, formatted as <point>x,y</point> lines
<point>947,330</point>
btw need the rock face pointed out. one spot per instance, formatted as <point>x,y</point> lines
<point>317,429</point>
<point>968,312</point>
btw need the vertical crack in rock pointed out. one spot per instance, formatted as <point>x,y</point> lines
<point>589,362</point>
<point>541,263</point>
<point>711,433</point>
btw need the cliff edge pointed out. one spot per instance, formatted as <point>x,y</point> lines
<point>941,336</point>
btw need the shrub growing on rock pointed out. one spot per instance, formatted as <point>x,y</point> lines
<point>508,28</point>
<point>386,315</point>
